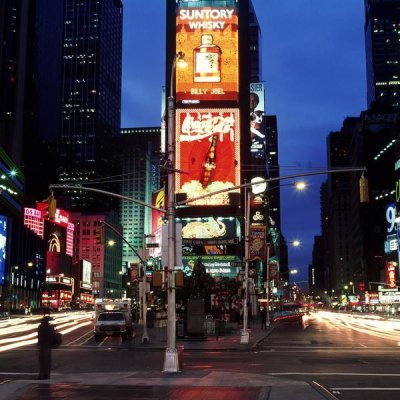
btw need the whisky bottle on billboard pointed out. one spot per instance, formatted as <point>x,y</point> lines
<point>207,61</point>
<point>209,163</point>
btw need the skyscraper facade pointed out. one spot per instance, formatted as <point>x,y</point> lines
<point>139,158</point>
<point>91,91</point>
<point>382,43</point>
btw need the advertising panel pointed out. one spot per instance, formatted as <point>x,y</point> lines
<point>207,153</point>
<point>227,266</point>
<point>3,247</point>
<point>391,274</point>
<point>258,242</point>
<point>397,175</point>
<point>208,37</point>
<point>210,230</point>
<point>257,128</point>
<point>86,271</point>
<point>34,220</point>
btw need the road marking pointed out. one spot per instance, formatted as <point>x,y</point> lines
<point>330,374</point>
<point>90,333</point>
<point>370,389</point>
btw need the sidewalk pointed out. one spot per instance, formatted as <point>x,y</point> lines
<point>188,384</point>
<point>230,340</point>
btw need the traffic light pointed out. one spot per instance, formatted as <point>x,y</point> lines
<point>99,235</point>
<point>179,281</point>
<point>364,193</point>
<point>157,279</point>
<point>51,206</point>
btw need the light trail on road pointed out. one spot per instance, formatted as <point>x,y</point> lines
<point>369,324</point>
<point>64,323</point>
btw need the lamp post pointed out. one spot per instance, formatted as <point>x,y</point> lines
<point>244,334</point>
<point>171,362</point>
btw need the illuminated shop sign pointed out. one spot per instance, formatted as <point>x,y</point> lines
<point>391,243</point>
<point>86,286</point>
<point>210,230</point>
<point>227,266</point>
<point>391,274</point>
<point>209,39</point>
<point>386,297</point>
<point>390,219</point>
<point>59,279</point>
<point>207,153</point>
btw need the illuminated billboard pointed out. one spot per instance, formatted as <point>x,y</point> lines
<point>257,128</point>
<point>391,276</point>
<point>35,219</point>
<point>3,246</point>
<point>207,153</point>
<point>208,37</point>
<point>86,271</point>
<point>227,266</point>
<point>210,230</point>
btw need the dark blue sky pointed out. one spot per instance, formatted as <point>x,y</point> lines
<point>313,61</point>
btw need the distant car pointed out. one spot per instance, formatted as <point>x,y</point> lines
<point>112,323</point>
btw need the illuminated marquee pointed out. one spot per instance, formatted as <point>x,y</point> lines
<point>209,39</point>
<point>208,153</point>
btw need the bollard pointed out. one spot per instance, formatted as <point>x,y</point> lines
<point>180,350</point>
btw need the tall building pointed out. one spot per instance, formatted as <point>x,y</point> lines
<point>255,46</point>
<point>139,150</point>
<point>15,18</point>
<point>105,255</point>
<point>338,213</point>
<point>374,145</point>
<point>382,43</point>
<point>90,94</point>
<point>14,32</point>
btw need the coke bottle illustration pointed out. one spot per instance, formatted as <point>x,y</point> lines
<point>209,163</point>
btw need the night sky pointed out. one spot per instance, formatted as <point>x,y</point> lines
<point>313,67</point>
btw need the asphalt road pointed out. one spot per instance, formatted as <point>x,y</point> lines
<point>342,358</point>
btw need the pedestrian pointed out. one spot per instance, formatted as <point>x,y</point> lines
<point>47,338</point>
<point>263,315</point>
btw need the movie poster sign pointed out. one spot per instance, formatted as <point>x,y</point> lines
<point>257,128</point>
<point>208,37</point>
<point>207,153</point>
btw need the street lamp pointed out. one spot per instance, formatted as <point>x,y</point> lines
<point>171,362</point>
<point>244,334</point>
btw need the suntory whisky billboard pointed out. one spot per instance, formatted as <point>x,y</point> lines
<point>209,39</point>
<point>207,153</point>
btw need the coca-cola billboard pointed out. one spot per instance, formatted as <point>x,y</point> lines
<point>207,154</point>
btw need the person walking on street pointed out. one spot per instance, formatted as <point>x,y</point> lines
<point>47,337</point>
